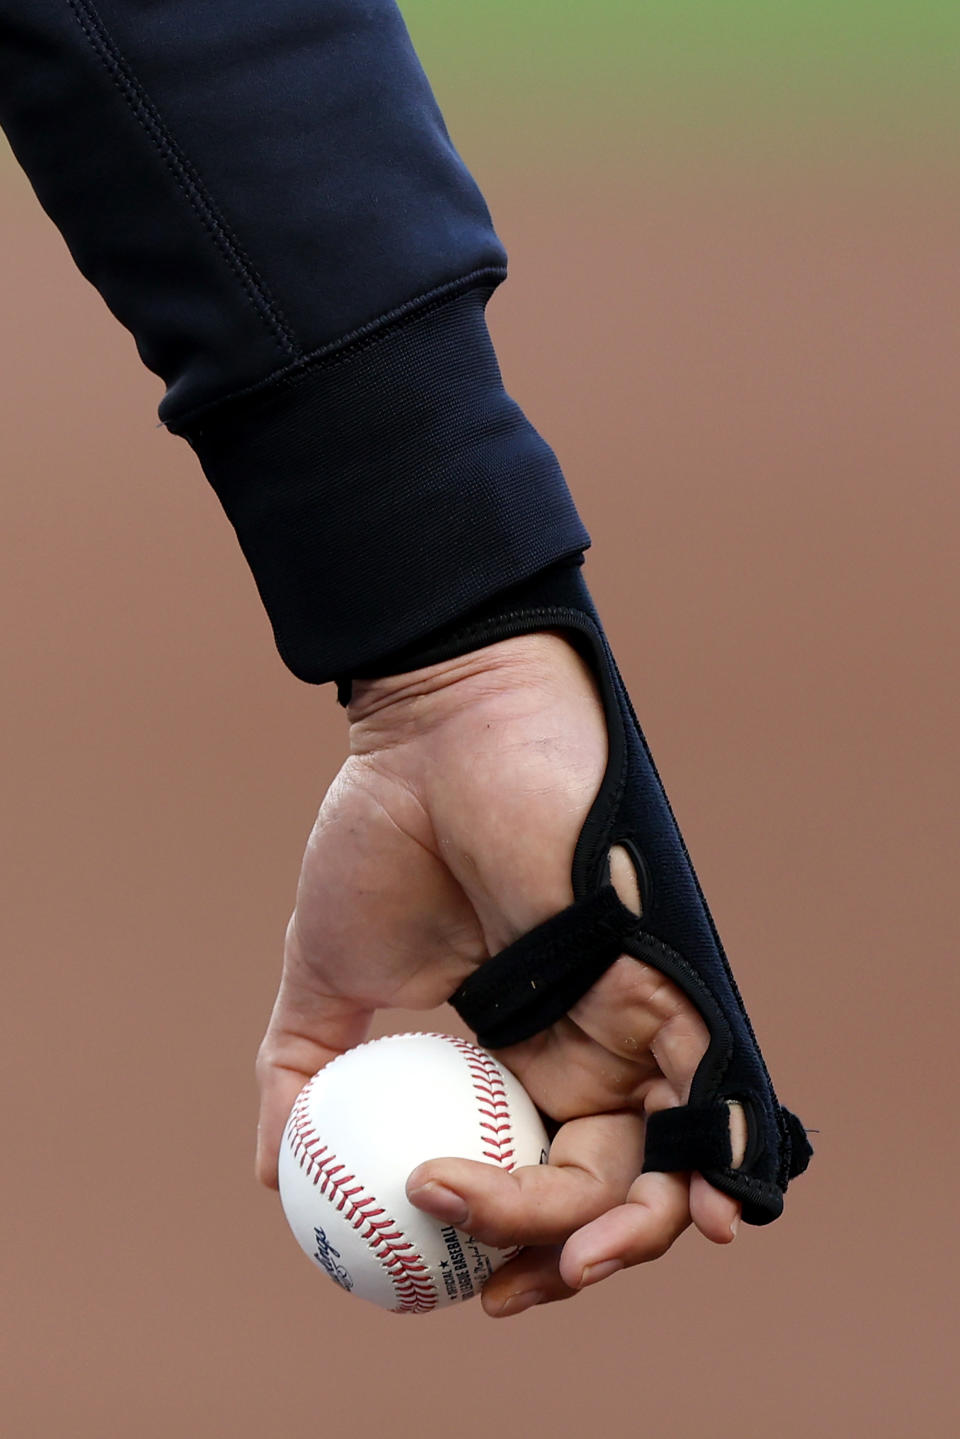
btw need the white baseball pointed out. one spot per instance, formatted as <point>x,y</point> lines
<point>355,1133</point>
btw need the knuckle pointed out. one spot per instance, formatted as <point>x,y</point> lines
<point>501,1231</point>
<point>265,1061</point>
<point>659,1247</point>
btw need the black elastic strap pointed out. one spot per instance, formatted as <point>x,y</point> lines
<point>686,1138</point>
<point>698,1137</point>
<point>801,1150</point>
<point>536,600</point>
<point>534,982</point>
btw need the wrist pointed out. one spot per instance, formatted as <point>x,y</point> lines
<point>540,603</point>
<point>510,665</point>
<point>530,690</point>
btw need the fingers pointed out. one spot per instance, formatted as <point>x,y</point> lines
<point>592,1164</point>
<point>659,1207</point>
<point>583,1217</point>
<point>633,1010</point>
<point>716,1215</point>
<point>307,1029</point>
<point>658,1210</point>
<point>532,1278</point>
<point>656,1213</point>
<point>634,1005</point>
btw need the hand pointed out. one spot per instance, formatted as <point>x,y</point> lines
<point>447,834</point>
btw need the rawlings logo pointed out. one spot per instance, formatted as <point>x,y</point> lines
<point>326,1256</point>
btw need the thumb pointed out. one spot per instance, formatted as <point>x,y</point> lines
<point>307,1029</point>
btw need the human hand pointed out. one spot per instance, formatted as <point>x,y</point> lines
<point>447,834</point>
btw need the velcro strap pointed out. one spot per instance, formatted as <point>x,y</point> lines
<point>801,1150</point>
<point>688,1137</point>
<point>534,982</point>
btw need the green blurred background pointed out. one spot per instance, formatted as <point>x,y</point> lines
<point>763,72</point>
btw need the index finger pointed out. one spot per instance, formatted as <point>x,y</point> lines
<point>593,1161</point>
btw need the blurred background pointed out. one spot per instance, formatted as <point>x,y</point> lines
<point>733,311</point>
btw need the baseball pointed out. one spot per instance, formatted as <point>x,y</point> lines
<point>357,1130</point>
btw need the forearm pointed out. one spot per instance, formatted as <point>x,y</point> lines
<point>268,199</point>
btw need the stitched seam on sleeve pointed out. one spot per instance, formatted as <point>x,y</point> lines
<point>345,346</point>
<point>183,172</point>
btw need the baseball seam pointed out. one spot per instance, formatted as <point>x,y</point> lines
<point>496,1121</point>
<point>496,1125</point>
<point>415,1291</point>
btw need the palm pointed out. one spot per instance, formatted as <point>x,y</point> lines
<point>424,935</point>
<point>448,833</point>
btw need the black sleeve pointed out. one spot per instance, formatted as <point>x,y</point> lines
<point>267,197</point>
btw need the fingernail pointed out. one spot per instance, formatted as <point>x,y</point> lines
<point>593,1273</point>
<point>734,1226</point>
<point>517,1303</point>
<point>441,1202</point>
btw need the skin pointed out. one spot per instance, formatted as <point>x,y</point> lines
<point>449,832</point>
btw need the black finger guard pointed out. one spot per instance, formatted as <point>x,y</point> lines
<point>531,984</point>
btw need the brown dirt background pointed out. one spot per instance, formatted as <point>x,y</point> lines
<point>750,375</point>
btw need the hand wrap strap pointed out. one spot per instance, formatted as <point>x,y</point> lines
<point>536,980</point>
<point>531,984</point>
<point>699,1138</point>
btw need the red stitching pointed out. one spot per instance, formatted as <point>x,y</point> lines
<point>492,1103</point>
<point>415,1291</point>
<point>413,1288</point>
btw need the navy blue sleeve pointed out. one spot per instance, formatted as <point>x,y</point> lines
<point>266,196</point>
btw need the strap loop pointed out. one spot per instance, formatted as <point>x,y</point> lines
<point>801,1150</point>
<point>688,1137</point>
<point>534,982</point>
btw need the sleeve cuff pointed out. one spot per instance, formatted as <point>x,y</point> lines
<point>387,489</point>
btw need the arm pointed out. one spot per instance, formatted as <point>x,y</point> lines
<point>267,197</point>
<point>270,202</point>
